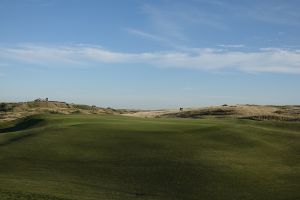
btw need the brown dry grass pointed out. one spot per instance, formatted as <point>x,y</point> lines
<point>12,111</point>
<point>257,112</point>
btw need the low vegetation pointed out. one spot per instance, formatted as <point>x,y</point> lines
<point>12,111</point>
<point>253,112</point>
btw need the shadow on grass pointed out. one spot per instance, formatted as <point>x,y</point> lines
<point>22,125</point>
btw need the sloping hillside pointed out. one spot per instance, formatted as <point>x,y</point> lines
<point>255,112</point>
<point>11,111</point>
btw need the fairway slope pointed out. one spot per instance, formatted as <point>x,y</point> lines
<point>91,157</point>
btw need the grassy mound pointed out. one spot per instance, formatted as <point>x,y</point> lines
<point>21,124</point>
<point>13,111</point>
<point>58,157</point>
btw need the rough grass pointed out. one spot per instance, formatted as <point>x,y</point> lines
<point>88,157</point>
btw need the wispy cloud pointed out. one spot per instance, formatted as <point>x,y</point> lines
<point>163,21</point>
<point>157,38</point>
<point>173,21</point>
<point>174,24</point>
<point>4,64</point>
<point>145,35</point>
<point>231,45</point>
<point>170,25</point>
<point>280,13</point>
<point>263,60</point>
<point>269,12</point>
<point>41,2</point>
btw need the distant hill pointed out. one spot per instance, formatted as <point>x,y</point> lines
<point>254,112</point>
<point>11,111</point>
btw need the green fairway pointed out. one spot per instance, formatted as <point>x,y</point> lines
<point>91,157</point>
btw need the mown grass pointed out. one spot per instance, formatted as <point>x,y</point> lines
<point>57,157</point>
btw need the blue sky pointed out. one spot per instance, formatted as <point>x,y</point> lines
<point>150,54</point>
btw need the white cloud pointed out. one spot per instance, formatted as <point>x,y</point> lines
<point>262,60</point>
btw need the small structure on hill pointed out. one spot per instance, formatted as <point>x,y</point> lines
<point>41,100</point>
<point>181,109</point>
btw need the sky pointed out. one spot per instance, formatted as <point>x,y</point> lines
<point>150,54</point>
